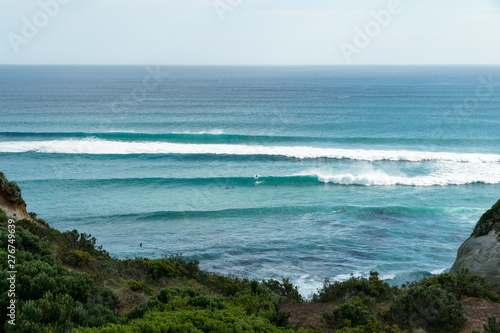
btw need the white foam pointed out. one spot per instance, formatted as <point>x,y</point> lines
<point>438,271</point>
<point>308,285</point>
<point>345,277</point>
<point>431,180</point>
<point>215,131</point>
<point>387,277</point>
<point>445,174</point>
<point>98,146</point>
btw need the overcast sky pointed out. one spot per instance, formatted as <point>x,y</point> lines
<point>250,32</point>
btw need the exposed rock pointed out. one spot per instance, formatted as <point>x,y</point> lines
<point>11,200</point>
<point>480,254</point>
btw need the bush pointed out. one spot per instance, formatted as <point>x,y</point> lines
<point>3,216</point>
<point>140,286</point>
<point>191,310</point>
<point>429,308</point>
<point>350,314</point>
<point>487,221</point>
<point>15,192</point>
<point>372,327</point>
<point>285,289</point>
<point>223,285</point>
<point>492,326</point>
<point>78,258</point>
<point>371,290</point>
<point>51,298</point>
<point>462,284</point>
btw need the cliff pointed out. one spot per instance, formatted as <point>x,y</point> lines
<point>480,254</point>
<point>12,202</point>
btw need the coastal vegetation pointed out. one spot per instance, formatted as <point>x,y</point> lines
<point>489,221</point>
<point>68,283</point>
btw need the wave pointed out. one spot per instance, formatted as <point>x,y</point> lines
<point>218,136</point>
<point>372,178</point>
<point>277,210</point>
<point>394,278</point>
<point>108,147</point>
<point>382,179</point>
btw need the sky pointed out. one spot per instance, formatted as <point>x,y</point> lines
<point>250,32</point>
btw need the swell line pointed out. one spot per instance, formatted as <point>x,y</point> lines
<point>278,210</point>
<point>106,147</point>
<point>222,138</point>
<point>371,178</point>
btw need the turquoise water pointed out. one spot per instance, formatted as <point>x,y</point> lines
<point>262,172</point>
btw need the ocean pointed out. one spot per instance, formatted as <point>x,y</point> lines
<point>260,172</point>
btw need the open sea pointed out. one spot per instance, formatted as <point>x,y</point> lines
<point>261,172</point>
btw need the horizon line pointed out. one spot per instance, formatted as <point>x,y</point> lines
<point>252,65</point>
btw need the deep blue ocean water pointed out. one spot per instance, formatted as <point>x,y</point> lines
<point>262,172</point>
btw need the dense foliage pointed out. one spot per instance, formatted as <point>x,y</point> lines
<point>350,314</point>
<point>51,296</point>
<point>430,308</point>
<point>488,221</point>
<point>370,290</point>
<point>462,284</point>
<point>11,189</point>
<point>431,304</point>
<point>284,288</point>
<point>192,310</point>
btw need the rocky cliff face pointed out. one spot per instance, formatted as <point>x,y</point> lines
<point>11,201</point>
<point>480,254</point>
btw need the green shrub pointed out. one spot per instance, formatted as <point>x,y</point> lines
<point>487,221</point>
<point>429,308</point>
<point>285,289</point>
<point>492,326</point>
<point>78,258</point>
<point>371,327</point>
<point>223,285</point>
<point>51,298</point>
<point>3,216</point>
<point>140,286</point>
<point>191,310</point>
<point>187,320</point>
<point>371,290</point>
<point>158,268</point>
<point>350,314</point>
<point>15,192</point>
<point>3,181</point>
<point>463,284</point>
